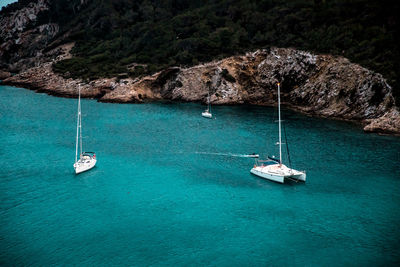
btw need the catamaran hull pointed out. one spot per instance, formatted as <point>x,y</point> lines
<point>299,177</point>
<point>206,115</point>
<point>268,176</point>
<point>279,178</point>
<point>79,167</point>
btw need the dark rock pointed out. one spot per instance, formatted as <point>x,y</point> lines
<point>4,75</point>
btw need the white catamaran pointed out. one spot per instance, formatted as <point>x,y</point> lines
<point>207,112</point>
<point>273,169</point>
<point>87,160</point>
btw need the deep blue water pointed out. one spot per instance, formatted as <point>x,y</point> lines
<point>154,199</point>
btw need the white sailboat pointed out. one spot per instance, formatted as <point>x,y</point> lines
<point>273,169</point>
<point>87,160</point>
<point>207,113</point>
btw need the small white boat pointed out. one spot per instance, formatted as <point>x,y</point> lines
<point>251,155</point>
<point>207,113</point>
<point>87,160</point>
<point>273,169</point>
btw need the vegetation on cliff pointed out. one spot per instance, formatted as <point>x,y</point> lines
<point>134,37</point>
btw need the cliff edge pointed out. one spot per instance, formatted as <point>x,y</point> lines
<point>321,85</point>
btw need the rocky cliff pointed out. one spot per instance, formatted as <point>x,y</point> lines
<point>23,38</point>
<point>321,85</point>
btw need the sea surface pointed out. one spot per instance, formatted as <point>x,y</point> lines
<point>170,187</point>
<point>6,2</point>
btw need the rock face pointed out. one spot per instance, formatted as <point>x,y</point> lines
<point>4,75</point>
<point>321,85</point>
<point>23,38</point>
<point>386,124</point>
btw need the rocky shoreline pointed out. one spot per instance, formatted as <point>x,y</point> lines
<point>319,85</point>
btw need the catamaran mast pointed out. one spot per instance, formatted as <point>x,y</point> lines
<point>279,121</point>
<point>78,124</point>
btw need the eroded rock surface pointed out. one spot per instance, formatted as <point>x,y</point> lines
<point>23,38</point>
<point>321,85</point>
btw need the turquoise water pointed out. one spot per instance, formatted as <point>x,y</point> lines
<point>6,2</point>
<point>157,198</point>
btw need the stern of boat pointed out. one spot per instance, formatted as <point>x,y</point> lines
<point>299,176</point>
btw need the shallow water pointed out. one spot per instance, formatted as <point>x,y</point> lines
<point>167,190</point>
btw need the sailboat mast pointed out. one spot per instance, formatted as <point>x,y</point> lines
<point>80,122</point>
<point>279,121</point>
<point>77,124</point>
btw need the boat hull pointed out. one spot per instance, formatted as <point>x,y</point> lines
<point>84,166</point>
<point>300,177</point>
<point>206,115</point>
<point>278,173</point>
<point>251,156</point>
<point>268,176</point>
